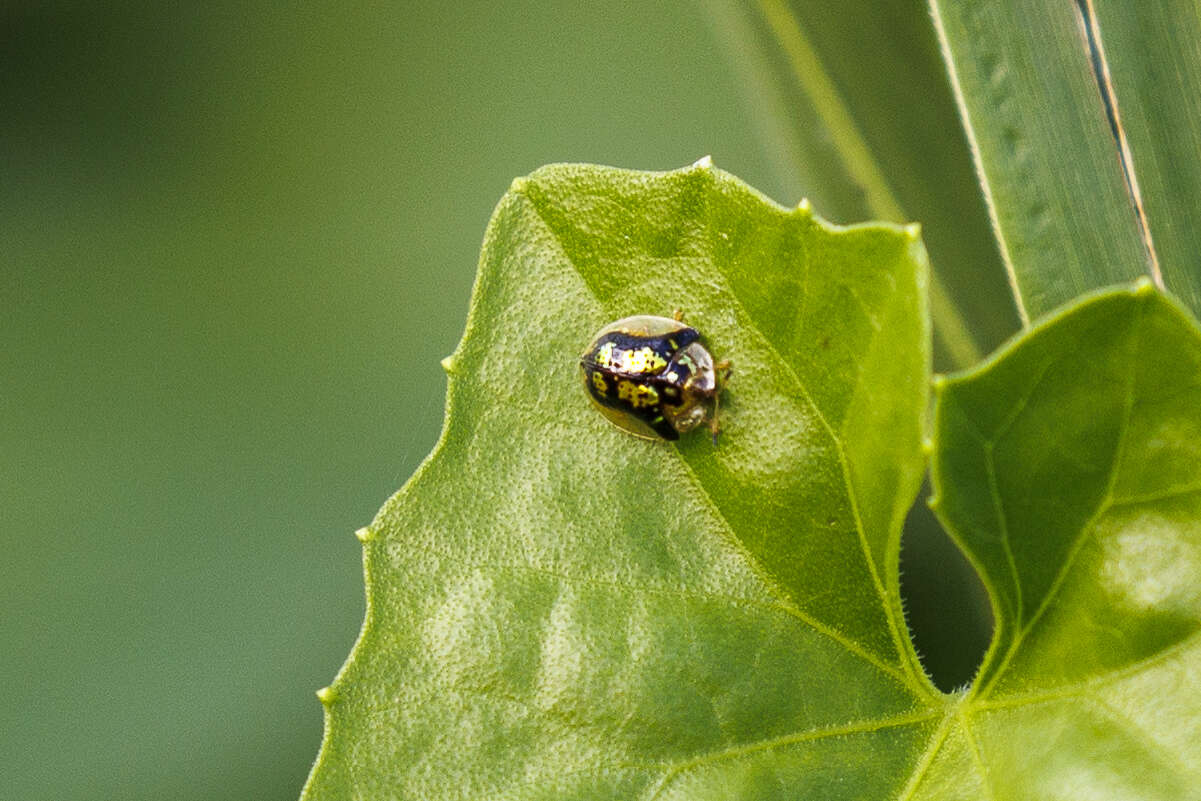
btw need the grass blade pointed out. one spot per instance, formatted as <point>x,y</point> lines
<point>1046,153</point>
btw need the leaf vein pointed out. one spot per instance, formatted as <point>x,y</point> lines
<point>927,759</point>
<point>1003,525</point>
<point>808,735</point>
<point>1166,494</point>
<point>977,756</point>
<point>1077,689</point>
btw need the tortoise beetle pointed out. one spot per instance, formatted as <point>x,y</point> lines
<point>653,377</point>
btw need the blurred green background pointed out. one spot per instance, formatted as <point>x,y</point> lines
<point>235,240</point>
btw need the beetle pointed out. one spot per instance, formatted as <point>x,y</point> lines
<point>653,377</point>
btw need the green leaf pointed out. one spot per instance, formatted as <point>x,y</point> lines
<point>557,610</point>
<point>1048,161</point>
<point>1069,470</point>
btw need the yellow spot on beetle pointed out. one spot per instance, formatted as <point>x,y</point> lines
<point>642,360</point>
<point>599,383</point>
<point>604,356</point>
<point>637,395</point>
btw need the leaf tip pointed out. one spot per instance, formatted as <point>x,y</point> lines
<point>326,696</point>
<point>913,231</point>
<point>1143,287</point>
<point>805,207</point>
<point>364,534</point>
<point>519,184</point>
<point>703,163</point>
<point>448,364</point>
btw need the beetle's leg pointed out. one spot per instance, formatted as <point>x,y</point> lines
<point>724,368</point>
<point>714,421</point>
<point>678,315</point>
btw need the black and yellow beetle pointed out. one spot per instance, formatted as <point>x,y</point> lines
<point>652,376</point>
